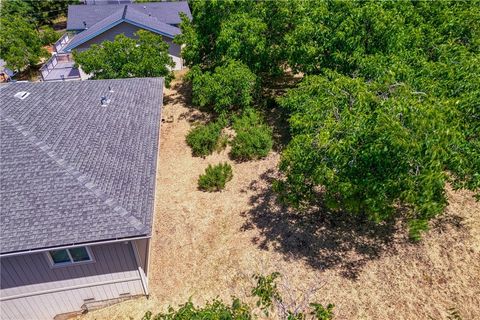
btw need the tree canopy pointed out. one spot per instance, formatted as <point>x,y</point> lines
<point>24,30</point>
<point>20,42</point>
<point>231,86</point>
<point>37,12</point>
<point>143,56</point>
<point>387,112</point>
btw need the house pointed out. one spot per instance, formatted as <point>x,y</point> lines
<point>100,2</point>
<point>100,20</point>
<point>97,23</point>
<point>77,185</point>
<point>5,73</point>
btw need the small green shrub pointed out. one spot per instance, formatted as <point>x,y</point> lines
<point>322,313</point>
<point>204,139</point>
<point>230,87</point>
<point>213,310</point>
<point>215,177</point>
<point>253,138</point>
<point>266,291</point>
<point>269,299</point>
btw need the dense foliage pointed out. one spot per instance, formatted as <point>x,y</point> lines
<point>268,299</point>
<point>215,177</point>
<point>24,30</point>
<point>253,139</point>
<point>391,111</point>
<point>387,113</point>
<point>248,31</point>
<point>204,139</point>
<point>144,56</point>
<point>37,12</point>
<point>369,146</point>
<point>48,35</point>
<point>20,42</point>
<point>229,87</point>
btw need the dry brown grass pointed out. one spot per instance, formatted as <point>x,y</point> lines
<point>209,244</point>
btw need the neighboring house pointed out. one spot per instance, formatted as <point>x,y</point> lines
<point>5,73</point>
<point>97,23</point>
<point>78,169</point>
<point>99,2</point>
<point>101,20</point>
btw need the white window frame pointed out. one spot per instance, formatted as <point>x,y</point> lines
<point>71,262</point>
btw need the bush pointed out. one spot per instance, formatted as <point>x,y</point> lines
<point>204,139</point>
<point>48,35</point>
<point>253,139</point>
<point>229,87</point>
<point>215,177</point>
<point>269,299</point>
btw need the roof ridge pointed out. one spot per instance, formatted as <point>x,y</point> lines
<point>124,11</point>
<point>77,175</point>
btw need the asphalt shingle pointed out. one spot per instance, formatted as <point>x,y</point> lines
<point>124,14</point>
<point>166,12</point>
<point>73,171</point>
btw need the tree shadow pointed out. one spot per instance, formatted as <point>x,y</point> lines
<point>324,239</point>
<point>275,115</point>
<point>183,93</point>
<point>329,240</point>
<point>195,116</point>
<point>277,119</point>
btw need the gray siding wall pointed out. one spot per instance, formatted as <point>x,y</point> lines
<point>32,289</point>
<point>143,248</point>
<point>128,30</point>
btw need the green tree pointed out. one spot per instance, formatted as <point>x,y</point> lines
<point>20,42</point>
<point>391,116</point>
<point>144,56</point>
<point>244,38</point>
<point>230,87</point>
<point>37,12</point>
<point>369,146</point>
<point>200,34</point>
<point>388,112</point>
<point>251,32</point>
<point>48,35</point>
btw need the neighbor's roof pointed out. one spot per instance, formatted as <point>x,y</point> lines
<point>125,14</point>
<point>166,12</point>
<point>3,68</point>
<point>73,171</point>
<point>101,2</point>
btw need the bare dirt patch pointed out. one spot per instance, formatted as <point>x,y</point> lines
<point>209,244</point>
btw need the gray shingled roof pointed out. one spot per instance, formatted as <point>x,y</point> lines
<point>167,12</point>
<point>125,14</point>
<point>72,170</point>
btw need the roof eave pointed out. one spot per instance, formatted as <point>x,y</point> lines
<point>74,244</point>
<point>171,36</point>
<point>72,45</point>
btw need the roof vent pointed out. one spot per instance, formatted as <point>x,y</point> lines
<point>145,7</point>
<point>21,95</point>
<point>110,89</point>
<point>104,101</point>
<point>85,25</point>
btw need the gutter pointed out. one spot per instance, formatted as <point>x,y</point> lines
<point>18,253</point>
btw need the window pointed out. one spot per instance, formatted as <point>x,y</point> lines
<point>70,256</point>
